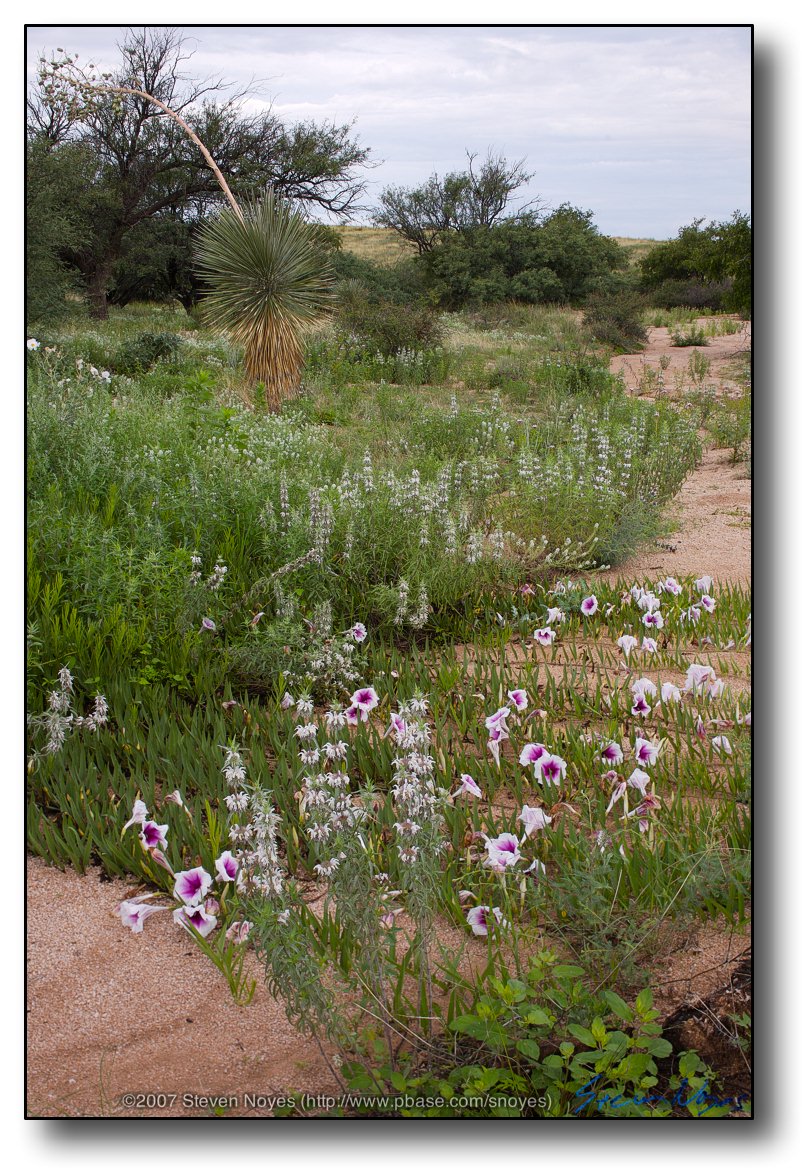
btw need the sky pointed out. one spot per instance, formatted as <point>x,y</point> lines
<point>648,127</point>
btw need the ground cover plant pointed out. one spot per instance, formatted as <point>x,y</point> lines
<point>338,685</point>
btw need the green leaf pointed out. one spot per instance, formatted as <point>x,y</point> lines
<point>644,1001</point>
<point>582,1034</point>
<point>537,1017</point>
<point>529,1048</point>
<point>618,1006</point>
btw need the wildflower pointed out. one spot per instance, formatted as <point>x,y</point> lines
<point>468,787</point>
<point>670,692</point>
<point>358,632</point>
<point>409,854</point>
<point>618,791</point>
<point>310,757</point>
<point>519,698</point>
<point>174,797</point>
<point>644,687</point>
<point>649,804</point>
<point>352,716</point>
<point>692,614</point>
<point>526,590</point>
<point>669,585</point>
<point>32,345</point>
<point>133,913</point>
<point>639,780</point>
<point>648,645</point>
<point>589,605</point>
<point>550,768</point>
<point>715,688</point>
<point>153,835</point>
<point>328,867</point>
<point>502,852</point>
<point>653,620</point>
<point>196,916</point>
<point>707,602</point>
<point>335,751</point>
<point>160,859</point>
<point>238,932</point>
<point>306,731</point>
<point>283,917</point>
<point>192,885</point>
<point>698,676</point>
<point>721,744</point>
<point>640,707</point>
<point>538,867</point>
<point>704,585</point>
<point>335,718</point>
<point>304,706</point>
<point>646,752</point>
<point>364,700</point>
<point>479,918</point>
<point>496,736</point>
<point>534,819</point>
<point>700,727</point>
<point>532,752</point>
<point>208,624</point>
<point>237,802</point>
<point>544,636</point>
<point>498,719</point>
<point>554,616</point>
<point>612,753</point>
<point>139,815</point>
<point>626,644</point>
<point>287,701</point>
<point>226,867</point>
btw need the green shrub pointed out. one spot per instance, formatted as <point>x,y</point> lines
<point>695,335</point>
<point>384,326</point>
<point>140,354</point>
<point>616,319</point>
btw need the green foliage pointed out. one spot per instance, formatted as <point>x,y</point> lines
<point>55,221</point>
<point>543,1044</point>
<point>714,264</point>
<point>616,318</point>
<point>694,335</point>
<point>383,326</point>
<point>530,259</point>
<point>141,353</point>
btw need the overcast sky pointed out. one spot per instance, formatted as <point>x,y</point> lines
<point>648,127</point>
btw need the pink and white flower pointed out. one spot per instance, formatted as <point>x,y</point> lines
<point>537,868</point>
<point>715,688</point>
<point>468,787</point>
<point>364,700</point>
<point>721,744</point>
<point>495,736</point>
<point>554,616</point>
<point>708,603</point>
<point>519,698</point>
<point>196,916</point>
<point>358,633</point>
<point>545,636</point>
<point>704,585</point>
<point>208,624</point>
<point>550,769</point>
<point>502,852</point>
<point>498,719</point>
<point>646,752</point>
<point>134,912</point>
<point>697,677</point>
<point>649,645</point>
<point>481,917</point>
<point>227,867</point>
<point>192,885</point>
<point>153,835</point>
<point>532,752</point>
<point>619,790</point>
<point>669,585</point>
<point>653,620</point>
<point>139,814</point>
<point>639,781</point>
<point>174,797</point>
<point>626,644</point>
<point>670,692</point>
<point>589,605</point>
<point>534,819</point>
<point>612,753</point>
<point>287,702</point>
<point>644,687</point>
<point>238,932</point>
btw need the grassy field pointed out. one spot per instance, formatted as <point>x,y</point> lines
<point>314,626</point>
<point>381,245</point>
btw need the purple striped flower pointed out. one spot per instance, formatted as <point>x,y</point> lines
<point>197,916</point>
<point>133,913</point>
<point>589,605</point>
<point>226,867</point>
<point>153,835</point>
<point>192,885</point>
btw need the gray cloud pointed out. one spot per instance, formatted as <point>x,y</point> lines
<point>649,127</point>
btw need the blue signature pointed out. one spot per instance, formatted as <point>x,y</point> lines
<point>701,1097</point>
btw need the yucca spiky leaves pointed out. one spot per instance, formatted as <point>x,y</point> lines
<point>267,276</point>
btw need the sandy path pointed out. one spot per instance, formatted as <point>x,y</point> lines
<point>111,1012</point>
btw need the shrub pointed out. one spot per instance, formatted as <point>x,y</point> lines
<point>616,319</point>
<point>140,354</point>
<point>385,326</point>
<point>691,336</point>
<point>689,294</point>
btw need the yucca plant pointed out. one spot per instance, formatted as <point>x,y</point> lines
<point>266,269</point>
<point>267,278</point>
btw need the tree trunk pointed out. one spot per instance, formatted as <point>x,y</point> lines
<point>96,291</point>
